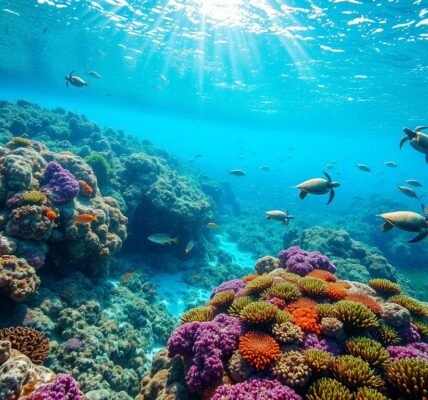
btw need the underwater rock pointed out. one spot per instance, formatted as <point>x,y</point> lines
<point>346,342</point>
<point>343,250</point>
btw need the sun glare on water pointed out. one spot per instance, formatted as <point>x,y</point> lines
<point>221,10</point>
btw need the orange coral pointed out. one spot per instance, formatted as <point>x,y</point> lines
<point>302,302</point>
<point>259,349</point>
<point>307,319</point>
<point>366,300</point>
<point>249,278</point>
<point>321,274</point>
<point>336,291</point>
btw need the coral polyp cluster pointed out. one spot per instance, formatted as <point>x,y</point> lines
<point>291,338</point>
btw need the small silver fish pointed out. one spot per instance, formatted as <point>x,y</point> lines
<point>409,192</point>
<point>390,164</point>
<point>162,238</point>
<point>363,167</point>
<point>93,74</point>
<point>265,168</point>
<point>189,246</point>
<point>414,182</point>
<point>237,172</point>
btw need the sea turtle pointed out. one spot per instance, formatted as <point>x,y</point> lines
<point>417,139</point>
<point>279,215</point>
<point>407,221</point>
<point>318,186</point>
<point>75,80</point>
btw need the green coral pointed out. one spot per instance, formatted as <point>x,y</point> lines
<point>283,291</point>
<point>355,315</point>
<point>100,166</point>
<point>258,313</point>
<point>369,350</point>
<point>328,389</point>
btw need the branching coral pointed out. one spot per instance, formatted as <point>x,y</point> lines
<point>313,287</point>
<point>409,377</point>
<point>388,336</point>
<point>416,308</point>
<point>198,314</point>
<point>318,360</point>
<point>284,291</point>
<point>291,369</point>
<point>259,349</point>
<point>384,287</point>
<point>258,313</point>
<point>258,284</point>
<point>355,315</point>
<point>355,372</point>
<point>287,333</point>
<point>369,350</point>
<point>328,389</point>
<point>28,341</point>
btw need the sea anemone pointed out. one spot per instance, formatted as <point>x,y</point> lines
<point>284,291</point>
<point>313,287</point>
<point>410,377</point>
<point>238,304</point>
<point>369,350</point>
<point>287,333</point>
<point>328,389</point>
<point>368,301</point>
<point>366,393</point>
<point>258,313</point>
<point>387,335</point>
<point>384,287</point>
<point>323,275</point>
<point>258,284</point>
<point>283,316</point>
<point>318,360</point>
<point>325,310</point>
<point>198,314</point>
<point>355,315</point>
<point>222,299</point>
<point>259,349</point>
<point>290,276</point>
<point>355,372</point>
<point>28,341</point>
<point>307,319</point>
<point>422,327</point>
<point>291,369</point>
<point>415,307</point>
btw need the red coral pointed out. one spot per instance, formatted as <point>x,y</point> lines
<point>259,349</point>
<point>301,302</point>
<point>336,291</point>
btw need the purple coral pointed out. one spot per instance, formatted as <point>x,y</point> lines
<point>413,350</point>
<point>256,389</point>
<point>302,262</point>
<point>236,285</point>
<point>60,182</point>
<point>312,341</point>
<point>207,343</point>
<point>63,388</point>
<point>410,334</point>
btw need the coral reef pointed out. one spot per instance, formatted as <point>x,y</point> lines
<point>325,347</point>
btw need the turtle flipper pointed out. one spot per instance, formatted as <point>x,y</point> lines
<point>420,128</point>
<point>327,176</point>
<point>403,140</point>
<point>303,194</point>
<point>426,158</point>
<point>286,221</point>
<point>420,237</point>
<point>386,226</point>
<point>330,199</point>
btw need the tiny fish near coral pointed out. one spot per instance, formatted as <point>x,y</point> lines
<point>85,188</point>
<point>85,218</point>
